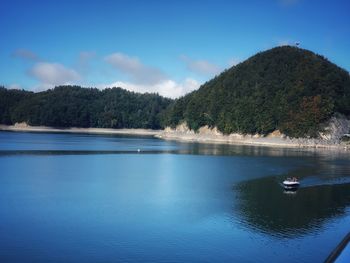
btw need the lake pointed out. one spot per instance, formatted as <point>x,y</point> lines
<point>96,198</point>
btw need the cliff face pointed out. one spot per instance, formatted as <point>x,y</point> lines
<point>335,130</point>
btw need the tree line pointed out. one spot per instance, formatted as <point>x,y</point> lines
<point>74,106</point>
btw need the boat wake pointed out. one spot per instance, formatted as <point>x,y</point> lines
<point>316,181</point>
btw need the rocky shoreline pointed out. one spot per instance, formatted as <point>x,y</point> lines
<point>331,138</point>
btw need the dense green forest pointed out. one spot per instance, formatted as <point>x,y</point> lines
<point>73,106</point>
<point>285,88</point>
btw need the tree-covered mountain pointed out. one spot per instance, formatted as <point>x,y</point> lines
<point>285,88</point>
<point>73,106</point>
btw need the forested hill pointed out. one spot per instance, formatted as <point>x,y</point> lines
<point>285,88</point>
<point>73,106</point>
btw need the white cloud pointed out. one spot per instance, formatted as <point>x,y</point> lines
<point>52,74</point>
<point>86,55</point>
<point>201,67</point>
<point>138,72</point>
<point>26,54</point>
<point>142,78</point>
<point>167,88</point>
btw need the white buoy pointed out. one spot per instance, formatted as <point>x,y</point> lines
<point>138,150</point>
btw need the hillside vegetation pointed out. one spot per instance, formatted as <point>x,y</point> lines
<point>286,88</point>
<point>73,106</point>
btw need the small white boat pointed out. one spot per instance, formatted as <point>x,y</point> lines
<point>291,183</point>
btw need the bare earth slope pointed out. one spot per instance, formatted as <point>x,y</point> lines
<point>330,138</point>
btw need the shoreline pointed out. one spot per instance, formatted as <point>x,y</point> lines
<point>205,135</point>
<point>22,128</point>
<point>252,142</point>
<point>275,139</point>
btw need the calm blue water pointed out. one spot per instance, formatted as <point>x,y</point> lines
<point>92,198</point>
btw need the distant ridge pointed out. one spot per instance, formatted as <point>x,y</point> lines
<point>74,106</point>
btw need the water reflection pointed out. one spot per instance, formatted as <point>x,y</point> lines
<point>60,143</point>
<point>154,146</point>
<point>266,207</point>
<point>241,150</point>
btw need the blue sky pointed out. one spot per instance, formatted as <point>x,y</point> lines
<point>170,47</point>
